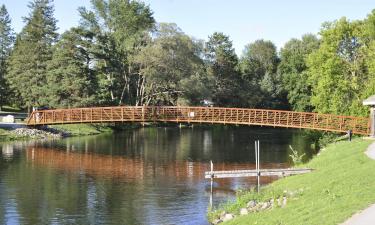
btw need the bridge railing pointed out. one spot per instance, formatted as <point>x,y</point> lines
<point>275,118</point>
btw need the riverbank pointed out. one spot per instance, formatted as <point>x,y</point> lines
<point>340,185</point>
<point>54,131</point>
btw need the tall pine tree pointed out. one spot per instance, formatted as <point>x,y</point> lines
<point>6,42</point>
<point>70,80</point>
<point>221,62</point>
<point>32,53</point>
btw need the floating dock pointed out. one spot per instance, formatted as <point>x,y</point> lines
<point>255,173</point>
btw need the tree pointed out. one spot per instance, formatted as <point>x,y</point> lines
<point>337,70</point>
<point>70,80</point>
<point>121,28</point>
<point>258,66</point>
<point>222,61</point>
<point>170,69</point>
<point>32,52</point>
<point>292,70</point>
<point>6,43</point>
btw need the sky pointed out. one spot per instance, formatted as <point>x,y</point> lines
<point>243,20</point>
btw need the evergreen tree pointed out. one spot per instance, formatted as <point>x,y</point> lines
<point>32,52</point>
<point>6,42</point>
<point>70,80</point>
<point>221,66</point>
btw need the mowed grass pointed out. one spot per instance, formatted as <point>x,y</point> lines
<point>82,129</point>
<point>342,184</point>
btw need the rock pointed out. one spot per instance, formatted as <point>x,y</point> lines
<point>264,206</point>
<point>35,133</point>
<point>222,214</point>
<point>244,211</point>
<point>251,204</point>
<point>228,217</point>
<point>284,202</point>
<point>278,202</point>
<point>216,221</point>
<point>272,202</point>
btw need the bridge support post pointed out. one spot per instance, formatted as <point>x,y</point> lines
<point>372,122</point>
<point>371,102</point>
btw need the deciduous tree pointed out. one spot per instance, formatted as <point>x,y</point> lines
<point>292,69</point>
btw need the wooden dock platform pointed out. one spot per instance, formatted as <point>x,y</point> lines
<point>254,173</point>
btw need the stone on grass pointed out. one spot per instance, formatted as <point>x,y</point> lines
<point>264,206</point>
<point>228,217</point>
<point>284,202</point>
<point>216,221</point>
<point>244,211</point>
<point>278,202</point>
<point>251,204</point>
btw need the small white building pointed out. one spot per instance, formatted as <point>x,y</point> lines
<point>8,119</point>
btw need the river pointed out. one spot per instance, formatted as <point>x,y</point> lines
<point>140,176</point>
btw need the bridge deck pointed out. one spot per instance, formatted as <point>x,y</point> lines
<point>261,117</point>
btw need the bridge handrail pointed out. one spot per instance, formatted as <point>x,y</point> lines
<point>266,117</point>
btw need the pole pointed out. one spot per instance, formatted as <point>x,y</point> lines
<point>257,163</point>
<point>258,167</point>
<point>212,182</point>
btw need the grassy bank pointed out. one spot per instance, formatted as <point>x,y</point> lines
<point>6,135</point>
<point>82,129</point>
<point>342,183</point>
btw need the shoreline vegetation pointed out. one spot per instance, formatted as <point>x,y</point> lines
<point>55,131</point>
<point>340,185</point>
<point>70,130</point>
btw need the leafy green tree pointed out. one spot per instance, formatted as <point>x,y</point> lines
<point>70,80</point>
<point>292,69</point>
<point>259,58</point>
<point>368,87</point>
<point>170,69</point>
<point>6,43</point>
<point>258,66</point>
<point>337,70</point>
<point>222,61</point>
<point>121,28</point>
<point>32,52</point>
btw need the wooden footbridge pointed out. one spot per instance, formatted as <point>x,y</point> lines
<point>213,115</point>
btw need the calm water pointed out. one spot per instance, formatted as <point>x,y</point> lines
<point>143,176</point>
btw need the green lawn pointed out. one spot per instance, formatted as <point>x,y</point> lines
<point>82,129</point>
<point>342,184</point>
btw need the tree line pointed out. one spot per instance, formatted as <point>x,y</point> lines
<point>119,55</point>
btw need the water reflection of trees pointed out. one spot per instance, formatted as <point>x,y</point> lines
<point>136,169</point>
<point>138,177</point>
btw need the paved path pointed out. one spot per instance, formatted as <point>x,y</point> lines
<point>367,216</point>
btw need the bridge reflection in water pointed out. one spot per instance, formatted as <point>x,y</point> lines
<point>137,169</point>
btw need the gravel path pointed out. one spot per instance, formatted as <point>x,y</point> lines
<point>367,216</point>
